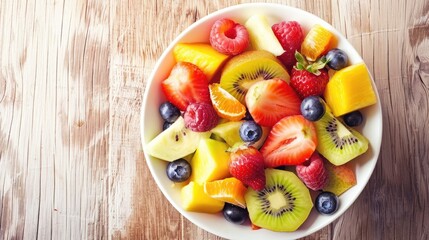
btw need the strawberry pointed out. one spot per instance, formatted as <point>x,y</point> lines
<point>186,84</point>
<point>271,100</point>
<point>229,37</point>
<point>291,141</point>
<point>313,172</point>
<point>247,165</point>
<point>309,79</point>
<point>290,36</point>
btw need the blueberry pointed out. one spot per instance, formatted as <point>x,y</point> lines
<point>169,112</point>
<point>179,170</point>
<point>166,125</point>
<point>247,116</point>
<point>353,119</point>
<point>326,203</point>
<point>235,214</point>
<point>250,131</point>
<point>312,108</point>
<point>337,59</point>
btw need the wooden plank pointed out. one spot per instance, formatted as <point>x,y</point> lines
<point>137,209</point>
<point>54,138</point>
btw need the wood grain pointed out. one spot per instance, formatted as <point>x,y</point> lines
<point>72,74</point>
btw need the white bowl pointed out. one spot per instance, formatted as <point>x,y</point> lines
<point>151,124</point>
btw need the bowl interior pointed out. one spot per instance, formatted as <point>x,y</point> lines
<point>151,123</point>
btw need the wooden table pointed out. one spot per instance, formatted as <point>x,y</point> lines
<point>71,80</point>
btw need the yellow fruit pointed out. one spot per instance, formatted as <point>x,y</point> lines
<point>201,54</point>
<point>210,161</point>
<point>196,200</point>
<point>316,42</point>
<point>229,190</point>
<point>262,36</point>
<point>350,89</point>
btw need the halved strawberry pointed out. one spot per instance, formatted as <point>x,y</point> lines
<point>291,141</point>
<point>186,84</point>
<point>271,100</point>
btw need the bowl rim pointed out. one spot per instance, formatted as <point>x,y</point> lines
<point>214,15</point>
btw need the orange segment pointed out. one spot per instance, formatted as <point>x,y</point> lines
<point>316,42</point>
<point>230,190</point>
<point>225,104</point>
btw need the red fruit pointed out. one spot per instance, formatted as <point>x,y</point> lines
<point>290,36</point>
<point>307,84</point>
<point>271,100</point>
<point>200,117</point>
<point>228,37</point>
<point>186,84</point>
<point>247,165</point>
<point>291,141</point>
<point>313,173</point>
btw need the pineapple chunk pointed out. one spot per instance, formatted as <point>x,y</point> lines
<point>350,89</point>
<point>210,161</point>
<point>196,200</point>
<point>202,55</point>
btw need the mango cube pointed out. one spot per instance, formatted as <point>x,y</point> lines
<point>194,199</point>
<point>200,54</point>
<point>350,89</point>
<point>210,161</point>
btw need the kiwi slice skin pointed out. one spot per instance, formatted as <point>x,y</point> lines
<point>245,69</point>
<point>283,205</point>
<point>337,142</point>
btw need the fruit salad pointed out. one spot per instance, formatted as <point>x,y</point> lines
<point>261,121</point>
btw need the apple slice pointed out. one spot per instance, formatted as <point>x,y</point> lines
<point>175,142</point>
<point>340,178</point>
<point>262,36</point>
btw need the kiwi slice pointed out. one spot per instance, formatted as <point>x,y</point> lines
<point>245,69</point>
<point>283,205</point>
<point>337,142</point>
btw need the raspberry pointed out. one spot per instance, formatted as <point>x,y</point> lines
<point>200,117</point>
<point>228,37</point>
<point>313,173</point>
<point>290,36</point>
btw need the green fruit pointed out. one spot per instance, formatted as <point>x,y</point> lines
<point>175,142</point>
<point>283,205</point>
<point>245,69</point>
<point>336,142</point>
<point>229,132</point>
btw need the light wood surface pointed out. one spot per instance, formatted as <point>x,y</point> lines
<point>72,74</point>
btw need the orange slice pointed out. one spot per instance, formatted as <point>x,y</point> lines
<point>316,42</point>
<point>230,190</point>
<point>226,105</point>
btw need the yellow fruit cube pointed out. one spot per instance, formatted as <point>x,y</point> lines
<point>196,200</point>
<point>350,89</point>
<point>210,161</point>
<point>202,55</point>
